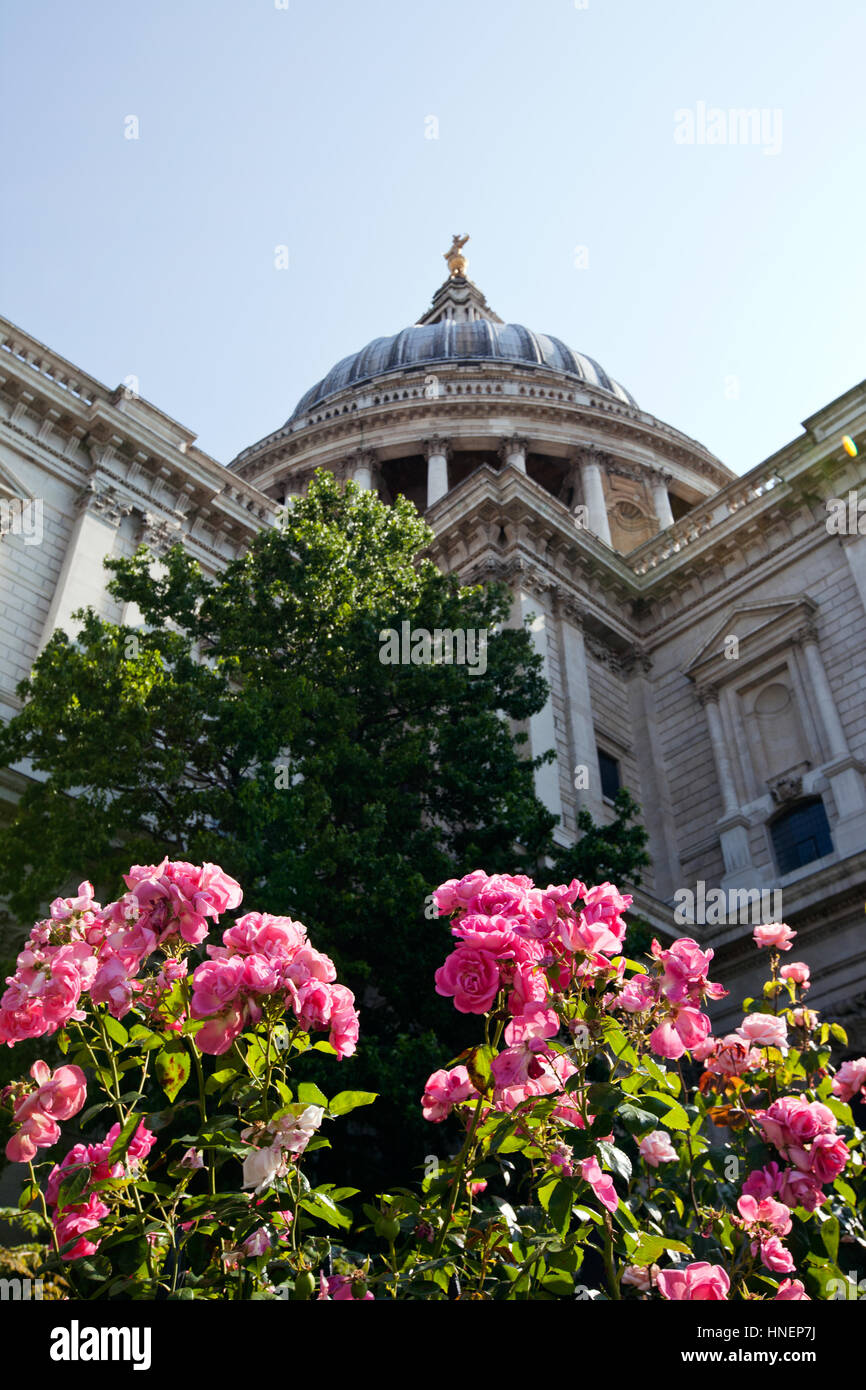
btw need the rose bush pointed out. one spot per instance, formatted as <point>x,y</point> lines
<point>196,1188</point>
<point>610,1147</point>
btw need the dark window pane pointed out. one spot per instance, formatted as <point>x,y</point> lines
<point>609,769</point>
<point>801,835</point>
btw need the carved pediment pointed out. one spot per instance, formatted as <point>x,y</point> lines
<point>10,486</point>
<point>760,628</point>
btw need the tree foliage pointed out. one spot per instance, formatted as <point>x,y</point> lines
<point>251,722</point>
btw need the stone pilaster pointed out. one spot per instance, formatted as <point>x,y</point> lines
<point>82,578</point>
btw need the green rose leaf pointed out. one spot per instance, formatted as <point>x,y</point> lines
<point>349,1100</point>
<point>172,1067</point>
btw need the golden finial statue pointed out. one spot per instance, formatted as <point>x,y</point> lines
<point>457,262</point>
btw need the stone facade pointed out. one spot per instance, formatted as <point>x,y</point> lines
<point>702,632</point>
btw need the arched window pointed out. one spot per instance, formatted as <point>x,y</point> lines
<point>801,834</point>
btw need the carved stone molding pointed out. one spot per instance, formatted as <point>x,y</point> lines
<point>786,788</point>
<point>104,502</point>
<point>634,473</point>
<point>572,612</point>
<point>158,533</point>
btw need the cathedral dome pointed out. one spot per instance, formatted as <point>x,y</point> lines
<point>451,340</point>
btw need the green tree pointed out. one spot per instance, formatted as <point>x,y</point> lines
<point>252,723</point>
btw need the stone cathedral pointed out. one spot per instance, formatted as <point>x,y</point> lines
<point>702,633</point>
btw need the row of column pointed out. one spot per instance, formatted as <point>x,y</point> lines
<point>513,452</point>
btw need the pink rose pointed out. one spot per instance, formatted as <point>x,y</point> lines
<point>638,995</point>
<point>219,1031</point>
<point>700,1281</point>
<point>472,977</point>
<point>459,893</point>
<point>763,1182</point>
<point>776,936</point>
<point>764,1030</point>
<point>681,1031</point>
<point>77,1221</point>
<point>444,1090</point>
<point>38,1131</point>
<point>798,1189</point>
<point>216,984</point>
<point>641,1277</point>
<point>849,1079</point>
<point>657,1148</point>
<point>797,971</point>
<point>775,1257</point>
<point>828,1157</point>
<point>112,987</point>
<point>789,1291</point>
<point>768,1213</point>
<point>345,1025</point>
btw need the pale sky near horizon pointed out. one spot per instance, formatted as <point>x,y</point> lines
<point>724,283</point>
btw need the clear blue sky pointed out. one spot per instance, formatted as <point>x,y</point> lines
<point>305,127</point>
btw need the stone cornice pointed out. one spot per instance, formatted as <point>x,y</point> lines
<point>536,395</point>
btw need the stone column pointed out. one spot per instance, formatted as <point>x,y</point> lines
<point>82,579</point>
<point>513,451</point>
<point>362,469</point>
<point>843,772</point>
<point>593,496</point>
<point>661,501</point>
<point>437,451</point>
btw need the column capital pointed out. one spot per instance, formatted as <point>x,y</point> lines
<point>660,477</point>
<point>362,458</point>
<point>806,635</point>
<point>707,694</point>
<point>590,456</point>
<point>513,444</point>
<point>436,444</point>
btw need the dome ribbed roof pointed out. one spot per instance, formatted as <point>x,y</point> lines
<point>481,340</point>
